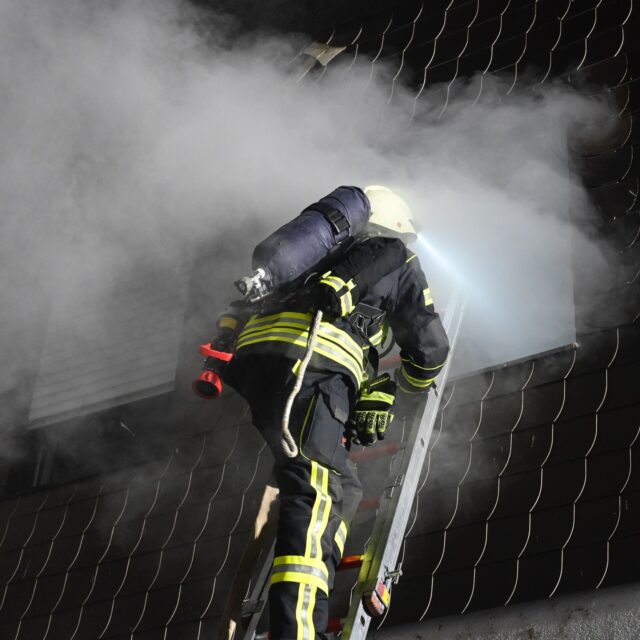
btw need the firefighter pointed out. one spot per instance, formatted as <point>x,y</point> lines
<point>375,287</point>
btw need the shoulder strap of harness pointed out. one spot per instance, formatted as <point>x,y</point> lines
<point>367,321</point>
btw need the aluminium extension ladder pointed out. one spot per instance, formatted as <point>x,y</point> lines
<point>378,565</point>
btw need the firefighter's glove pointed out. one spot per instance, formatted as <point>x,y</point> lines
<point>333,295</point>
<point>374,411</point>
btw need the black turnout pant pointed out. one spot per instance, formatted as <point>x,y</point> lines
<point>319,489</point>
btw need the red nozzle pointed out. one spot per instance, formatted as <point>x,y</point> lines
<point>208,385</point>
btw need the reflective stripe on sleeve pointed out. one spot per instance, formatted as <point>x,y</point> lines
<point>341,537</point>
<point>304,613</point>
<point>338,285</point>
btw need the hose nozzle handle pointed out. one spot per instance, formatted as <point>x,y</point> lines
<point>209,385</point>
<point>208,351</point>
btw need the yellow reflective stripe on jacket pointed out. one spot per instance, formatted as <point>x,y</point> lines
<point>341,537</point>
<point>346,300</point>
<point>303,321</point>
<point>293,328</point>
<point>427,297</point>
<point>416,382</point>
<point>302,334</point>
<point>292,318</point>
<point>338,284</point>
<point>334,282</point>
<point>324,347</point>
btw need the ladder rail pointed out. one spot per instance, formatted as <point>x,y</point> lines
<point>257,599</point>
<point>385,543</point>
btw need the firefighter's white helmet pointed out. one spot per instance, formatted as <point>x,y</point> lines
<point>390,211</point>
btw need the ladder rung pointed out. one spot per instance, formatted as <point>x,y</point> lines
<point>390,362</point>
<point>334,625</point>
<point>350,562</point>
<point>368,504</point>
<point>371,453</point>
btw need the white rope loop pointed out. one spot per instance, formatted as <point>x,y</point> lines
<point>288,443</point>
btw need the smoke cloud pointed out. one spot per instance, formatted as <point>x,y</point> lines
<point>132,131</point>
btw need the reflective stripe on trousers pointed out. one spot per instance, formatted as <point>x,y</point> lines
<point>308,570</point>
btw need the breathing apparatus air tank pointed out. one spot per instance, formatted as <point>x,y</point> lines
<point>302,244</point>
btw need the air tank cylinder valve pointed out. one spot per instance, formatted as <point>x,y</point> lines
<point>256,286</point>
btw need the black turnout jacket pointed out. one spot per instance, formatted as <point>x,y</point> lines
<point>378,272</point>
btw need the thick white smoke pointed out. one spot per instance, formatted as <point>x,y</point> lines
<point>130,130</point>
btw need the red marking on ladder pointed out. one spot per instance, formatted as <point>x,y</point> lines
<point>372,453</point>
<point>389,363</point>
<point>334,625</point>
<point>350,562</point>
<point>366,504</point>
